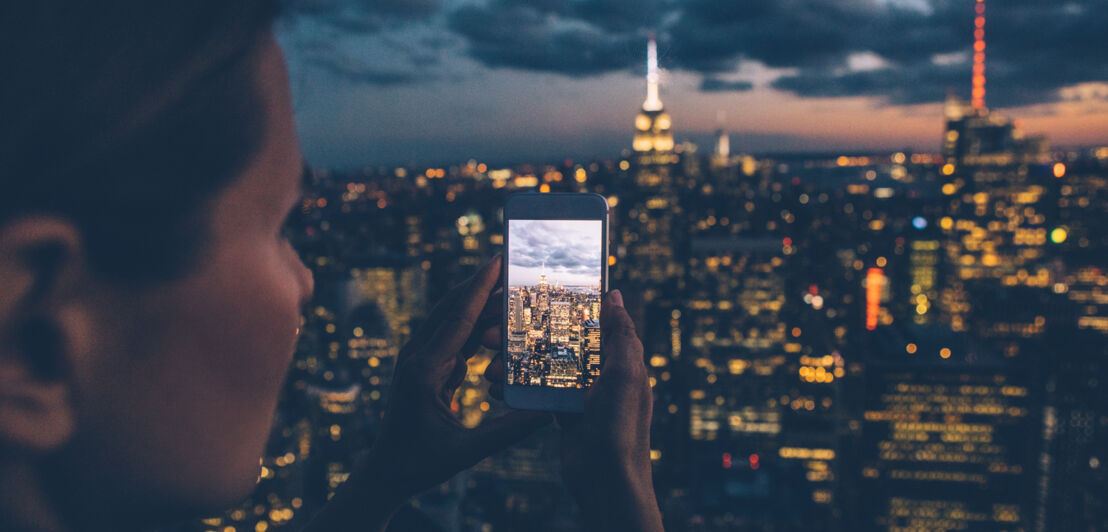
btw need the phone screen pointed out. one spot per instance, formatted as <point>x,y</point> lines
<point>554,288</point>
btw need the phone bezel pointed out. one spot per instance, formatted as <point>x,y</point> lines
<point>550,206</point>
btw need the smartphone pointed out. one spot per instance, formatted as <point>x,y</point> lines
<point>554,276</point>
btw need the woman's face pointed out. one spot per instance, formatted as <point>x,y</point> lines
<point>175,402</point>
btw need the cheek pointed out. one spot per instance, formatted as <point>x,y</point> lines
<point>239,327</point>
<point>196,394</point>
<point>257,316</point>
<point>249,337</point>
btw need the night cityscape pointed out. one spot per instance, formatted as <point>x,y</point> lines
<point>553,325</point>
<point>858,340</point>
<point>551,341</point>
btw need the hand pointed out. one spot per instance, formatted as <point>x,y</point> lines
<point>421,442</point>
<point>606,449</point>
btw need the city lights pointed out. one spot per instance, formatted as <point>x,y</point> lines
<point>875,279</point>
<point>838,341</point>
<point>1059,170</point>
<point>1058,235</point>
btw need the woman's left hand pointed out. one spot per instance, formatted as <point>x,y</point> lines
<point>422,443</point>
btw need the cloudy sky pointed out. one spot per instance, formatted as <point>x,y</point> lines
<point>441,81</point>
<point>570,250</point>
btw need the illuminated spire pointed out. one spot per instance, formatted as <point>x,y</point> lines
<point>652,124</point>
<point>978,100</point>
<point>652,103</point>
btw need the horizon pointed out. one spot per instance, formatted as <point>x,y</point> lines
<point>555,282</point>
<point>770,155</point>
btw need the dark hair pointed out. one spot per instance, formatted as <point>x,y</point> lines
<point>127,117</point>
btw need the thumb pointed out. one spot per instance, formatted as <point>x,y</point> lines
<point>618,339</point>
<point>501,432</point>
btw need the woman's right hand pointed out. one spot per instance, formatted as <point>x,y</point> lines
<point>606,448</point>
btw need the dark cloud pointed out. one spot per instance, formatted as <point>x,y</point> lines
<point>410,68</point>
<point>364,15</point>
<point>573,37</point>
<point>563,250</point>
<point>611,15</point>
<point>710,84</point>
<point>392,60</point>
<point>357,72</point>
<point>517,35</point>
<point>404,8</point>
<point>900,85</point>
<point>712,35</point>
<point>1034,47</point>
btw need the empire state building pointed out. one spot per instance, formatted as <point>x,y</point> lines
<point>653,142</point>
<point>645,243</point>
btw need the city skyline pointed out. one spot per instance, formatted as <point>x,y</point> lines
<point>553,336</point>
<point>440,82</point>
<point>568,252</point>
<point>868,343</point>
<point>833,343</point>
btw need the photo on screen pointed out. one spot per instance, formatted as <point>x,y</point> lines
<point>554,285</point>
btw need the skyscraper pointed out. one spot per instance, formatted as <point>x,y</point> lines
<point>761,396</point>
<point>653,140</point>
<point>945,440</point>
<point>560,312</point>
<point>974,135</point>
<point>516,323</point>
<point>721,157</point>
<point>543,293</point>
<point>644,230</point>
<point>647,235</point>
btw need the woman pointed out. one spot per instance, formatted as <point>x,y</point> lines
<point>149,305</point>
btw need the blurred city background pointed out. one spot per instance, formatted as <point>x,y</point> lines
<point>869,299</point>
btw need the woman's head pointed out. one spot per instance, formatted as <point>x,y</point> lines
<point>148,303</point>
<point>125,111</point>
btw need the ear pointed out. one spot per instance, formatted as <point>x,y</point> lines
<point>41,259</point>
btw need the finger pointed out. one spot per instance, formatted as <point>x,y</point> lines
<point>442,310</point>
<point>444,304</point>
<point>436,316</point>
<point>498,433</point>
<point>456,327</point>
<point>618,341</point>
<point>457,376</point>
<point>494,308</point>
<point>490,319</point>
<point>494,372</point>
<point>490,339</point>
<point>472,344</point>
<point>486,332</point>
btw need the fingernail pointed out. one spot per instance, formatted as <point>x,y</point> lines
<point>617,298</point>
